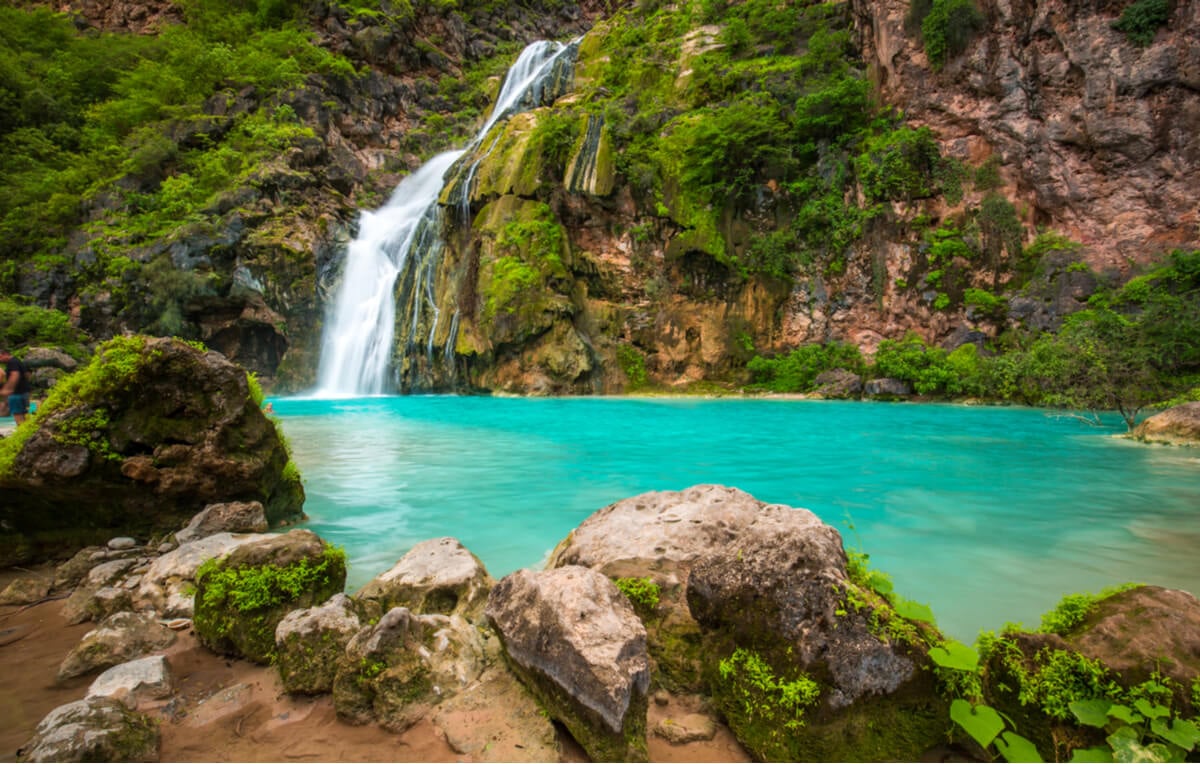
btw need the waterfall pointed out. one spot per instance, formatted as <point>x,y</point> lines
<point>403,240</point>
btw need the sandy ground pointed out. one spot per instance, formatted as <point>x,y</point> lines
<point>233,710</point>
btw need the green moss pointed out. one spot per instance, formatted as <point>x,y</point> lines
<point>643,593</point>
<point>1074,609</point>
<point>760,700</point>
<point>237,609</point>
<point>633,364</point>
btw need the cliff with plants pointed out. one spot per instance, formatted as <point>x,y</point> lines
<point>970,199</point>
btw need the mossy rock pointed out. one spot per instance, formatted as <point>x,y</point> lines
<point>241,599</point>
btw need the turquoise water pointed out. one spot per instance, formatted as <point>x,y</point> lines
<point>987,514</point>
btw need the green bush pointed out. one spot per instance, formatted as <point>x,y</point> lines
<point>948,28</point>
<point>797,371</point>
<point>1141,20</point>
<point>899,164</point>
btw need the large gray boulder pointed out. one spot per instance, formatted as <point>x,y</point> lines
<point>152,431</point>
<point>394,672</point>
<point>574,640</point>
<point>436,576</point>
<point>135,681</point>
<point>242,597</point>
<point>117,639</point>
<point>1178,425</point>
<point>310,642</point>
<point>93,729</point>
<point>752,585</point>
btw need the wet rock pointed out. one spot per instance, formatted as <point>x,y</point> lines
<point>134,682</point>
<point>310,642</point>
<point>1179,425</point>
<point>686,729</point>
<point>574,640</point>
<point>93,729</point>
<point>436,576</point>
<point>242,597</point>
<point>231,517</point>
<point>395,671</point>
<point>119,638</point>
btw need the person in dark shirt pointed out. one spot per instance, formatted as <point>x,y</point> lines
<point>16,386</point>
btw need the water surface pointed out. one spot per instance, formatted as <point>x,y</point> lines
<point>987,514</point>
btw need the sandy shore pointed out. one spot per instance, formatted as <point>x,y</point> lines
<point>232,710</point>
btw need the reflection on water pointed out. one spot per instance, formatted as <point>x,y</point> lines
<point>988,514</point>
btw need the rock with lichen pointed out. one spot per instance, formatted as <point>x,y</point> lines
<point>93,729</point>
<point>436,576</point>
<point>135,444</point>
<point>310,642</point>
<point>242,597</point>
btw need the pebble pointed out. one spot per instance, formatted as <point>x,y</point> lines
<point>122,542</point>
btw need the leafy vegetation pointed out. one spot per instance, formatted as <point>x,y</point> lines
<point>1141,19</point>
<point>642,592</point>
<point>762,697</point>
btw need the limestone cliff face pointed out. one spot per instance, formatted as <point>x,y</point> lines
<point>1099,135</point>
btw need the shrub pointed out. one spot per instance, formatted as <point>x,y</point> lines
<point>1141,19</point>
<point>948,28</point>
<point>797,371</point>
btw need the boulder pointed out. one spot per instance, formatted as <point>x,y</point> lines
<point>310,642</point>
<point>764,586</point>
<point>154,431</point>
<point>119,638</point>
<point>167,585</point>
<point>575,641</point>
<point>93,729</point>
<point>1178,425</point>
<point>70,573</point>
<point>395,671</point>
<point>436,576</point>
<point>1124,640</point>
<point>838,383</point>
<point>887,388</point>
<point>231,517</point>
<point>26,591</point>
<point>41,358</point>
<point>135,681</point>
<point>241,598</point>
<point>79,606</point>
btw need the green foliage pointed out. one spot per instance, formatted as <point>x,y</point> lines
<point>797,371</point>
<point>29,325</point>
<point>633,364</point>
<point>252,588</point>
<point>1074,609</point>
<point>1141,19</point>
<point>910,360</point>
<point>531,261</point>
<point>642,592</point>
<point>115,365</point>
<point>900,164</point>
<point>256,391</point>
<point>987,728</point>
<point>986,304</point>
<point>763,698</point>
<point>948,28</point>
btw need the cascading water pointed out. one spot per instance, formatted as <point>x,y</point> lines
<point>402,240</point>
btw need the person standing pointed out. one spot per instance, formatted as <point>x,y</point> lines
<point>16,386</point>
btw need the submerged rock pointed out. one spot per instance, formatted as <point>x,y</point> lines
<point>1179,425</point>
<point>436,576</point>
<point>574,640</point>
<point>242,597</point>
<point>93,729</point>
<point>155,431</point>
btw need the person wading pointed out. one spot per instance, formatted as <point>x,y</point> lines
<point>16,386</point>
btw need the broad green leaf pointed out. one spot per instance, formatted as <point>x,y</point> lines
<point>1092,755</point>
<point>1165,752</point>
<point>1093,713</point>
<point>1127,746</point>
<point>914,611</point>
<point>1016,748</point>
<point>1125,714</point>
<point>1150,710</point>
<point>955,655</point>
<point>1180,732</point>
<point>981,722</point>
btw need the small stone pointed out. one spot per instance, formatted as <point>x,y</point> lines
<point>661,698</point>
<point>686,729</point>
<point>122,542</point>
<point>179,624</point>
<point>166,547</point>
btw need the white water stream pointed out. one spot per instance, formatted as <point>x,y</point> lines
<point>359,338</point>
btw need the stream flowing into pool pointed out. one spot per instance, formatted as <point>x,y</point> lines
<point>986,514</point>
